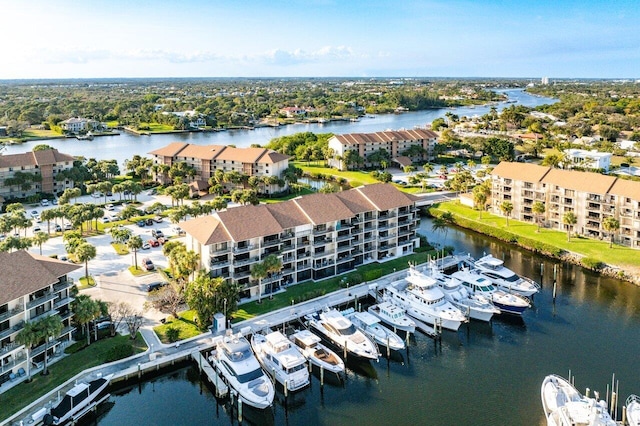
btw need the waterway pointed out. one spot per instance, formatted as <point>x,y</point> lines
<point>484,374</point>
<point>126,145</point>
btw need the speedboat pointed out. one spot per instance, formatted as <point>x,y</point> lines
<point>394,316</point>
<point>477,284</point>
<point>504,278</point>
<point>370,325</point>
<point>564,406</point>
<point>476,306</point>
<point>316,353</point>
<point>79,397</point>
<point>341,332</point>
<point>423,300</point>
<point>280,358</point>
<point>240,368</point>
<point>633,410</point>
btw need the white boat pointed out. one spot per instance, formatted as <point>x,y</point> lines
<point>240,368</point>
<point>478,284</point>
<point>564,406</point>
<point>476,306</point>
<point>394,316</point>
<point>282,359</point>
<point>370,325</point>
<point>79,397</point>
<point>504,278</point>
<point>342,333</point>
<point>424,300</point>
<point>318,354</point>
<point>633,410</point>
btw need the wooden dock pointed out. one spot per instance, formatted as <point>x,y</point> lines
<point>218,383</point>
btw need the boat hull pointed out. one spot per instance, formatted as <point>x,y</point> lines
<point>447,324</point>
<point>510,309</point>
<point>344,349</point>
<point>407,328</point>
<point>633,410</point>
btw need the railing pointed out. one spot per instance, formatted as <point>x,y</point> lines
<point>303,266</point>
<point>287,236</point>
<point>46,314</point>
<point>8,348</point>
<point>325,253</point>
<point>42,299</point>
<point>344,237</point>
<point>322,242</point>
<point>63,302</point>
<point>62,285</point>
<point>323,231</point>
<point>244,249</point>
<point>386,237</point>
<point>344,248</point>
<point>241,274</point>
<point>221,251</point>
<point>219,263</point>
<point>288,247</point>
<point>270,243</point>
<point>303,255</point>
<point>11,313</point>
<point>244,261</point>
<point>345,259</point>
<point>10,331</point>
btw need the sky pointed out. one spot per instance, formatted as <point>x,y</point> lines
<point>319,38</point>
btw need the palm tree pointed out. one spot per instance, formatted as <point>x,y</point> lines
<point>538,209</point>
<point>273,265</point>
<point>611,224</point>
<point>479,199</point>
<point>85,310</point>
<point>28,337</point>
<point>135,244</point>
<point>259,271</point>
<point>39,239</point>
<point>507,208</point>
<point>48,328</point>
<point>569,219</point>
<point>439,225</point>
<point>84,253</point>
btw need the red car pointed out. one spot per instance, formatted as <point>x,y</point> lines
<point>153,242</point>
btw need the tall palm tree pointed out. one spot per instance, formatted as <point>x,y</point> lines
<point>85,310</point>
<point>507,208</point>
<point>611,224</point>
<point>39,239</point>
<point>135,244</point>
<point>48,328</point>
<point>273,265</point>
<point>538,209</point>
<point>569,219</point>
<point>28,337</point>
<point>84,253</point>
<point>258,272</point>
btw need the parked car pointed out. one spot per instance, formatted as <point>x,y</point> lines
<point>153,242</point>
<point>36,229</point>
<point>157,219</point>
<point>96,194</point>
<point>149,222</point>
<point>68,227</point>
<point>146,246</point>
<point>148,264</point>
<point>44,203</point>
<point>151,192</point>
<point>141,223</point>
<point>54,202</point>
<point>106,220</point>
<point>178,230</point>
<point>157,233</point>
<point>156,285</point>
<point>58,228</point>
<point>34,213</point>
<point>38,219</point>
<point>110,207</point>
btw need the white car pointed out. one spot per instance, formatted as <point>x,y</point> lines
<point>44,203</point>
<point>110,207</point>
<point>96,194</point>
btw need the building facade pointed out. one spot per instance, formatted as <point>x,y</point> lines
<point>29,173</point>
<point>396,143</point>
<point>592,197</point>
<point>79,124</point>
<point>315,236</point>
<point>588,159</point>
<point>32,287</point>
<point>206,159</point>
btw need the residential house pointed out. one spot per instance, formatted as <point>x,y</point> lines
<point>38,169</point>
<point>592,197</point>
<point>79,125</point>
<point>588,159</point>
<point>315,236</point>
<point>196,120</point>
<point>396,143</point>
<point>293,111</point>
<point>32,287</point>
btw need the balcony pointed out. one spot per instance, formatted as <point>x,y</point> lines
<point>41,300</point>
<point>322,241</point>
<point>62,302</point>
<point>246,261</point>
<point>383,216</point>
<point>11,330</point>
<point>323,230</point>
<point>13,312</point>
<point>270,243</point>
<point>303,266</point>
<point>593,207</point>
<point>304,255</point>
<point>324,253</point>
<point>219,263</point>
<point>218,251</point>
<point>287,247</point>
<point>8,348</point>
<point>344,237</point>
<point>240,274</point>
<point>287,236</point>
<point>592,225</point>
<point>46,314</point>
<point>62,285</point>
<point>386,237</point>
<point>244,249</point>
<point>344,248</point>
<point>344,259</point>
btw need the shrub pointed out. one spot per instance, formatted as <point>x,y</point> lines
<point>592,263</point>
<point>78,346</point>
<point>119,352</point>
<point>173,334</point>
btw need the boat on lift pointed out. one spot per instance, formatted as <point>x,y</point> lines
<point>79,397</point>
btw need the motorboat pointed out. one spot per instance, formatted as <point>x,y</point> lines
<point>476,306</point>
<point>242,372</point>
<point>478,284</point>
<point>282,359</point>
<point>504,278</point>
<point>78,398</point>
<point>316,353</point>
<point>633,410</point>
<point>423,299</point>
<point>370,325</point>
<point>341,332</point>
<point>394,316</point>
<point>564,406</point>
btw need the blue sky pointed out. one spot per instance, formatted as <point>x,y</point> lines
<point>323,38</point>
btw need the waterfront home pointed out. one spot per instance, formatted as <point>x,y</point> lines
<point>588,159</point>
<point>79,124</point>
<point>315,236</point>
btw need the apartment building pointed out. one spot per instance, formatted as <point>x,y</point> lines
<point>396,143</point>
<point>206,159</point>
<point>592,197</point>
<point>315,236</point>
<point>37,170</point>
<point>32,287</point>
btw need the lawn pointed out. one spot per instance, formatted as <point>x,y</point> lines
<point>619,256</point>
<point>355,178</point>
<point>84,284</point>
<point>138,272</point>
<point>304,191</point>
<point>121,249</point>
<point>157,127</point>
<point>95,354</point>
<point>185,324</point>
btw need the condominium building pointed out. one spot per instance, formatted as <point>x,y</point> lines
<point>29,173</point>
<point>206,159</point>
<point>32,287</point>
<point>396,143</point>
<point>592,197</point>
<point>315,236</point>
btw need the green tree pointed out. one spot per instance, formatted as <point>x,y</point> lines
<point>84,253</point>
<point>569,219</point>
<point>538,209</point>
<point>201,296</point>
<point>506,207</point>
<point>48,328</point>
<point>611,225</point>
<point>135,243</point>
<point>28,336</point>
<point>85,310</point>
<point>39,239</point>
<point>479,199</point>
<point>259,272</point>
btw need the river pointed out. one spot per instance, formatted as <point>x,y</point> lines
<point>125,145</point>
<point>484,374</point>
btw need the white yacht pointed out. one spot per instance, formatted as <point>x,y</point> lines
<point>77,399</point>
<point>318,354</point>
<point>370,325</point>
<point>423,299</point>
<point>393,315</point>
<point>342,333</point>
<point>476,306</point>
<point>633,410</point>
<point>242,372</point>
<point>564,406</point>
<point>504,278</point>
<point>280,358</point>
<point>478,284</point>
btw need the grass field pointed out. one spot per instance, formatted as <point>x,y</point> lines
<point>157,127</point>
<point>185,323</point>
<point>355,178</point>
<point>617,256</point>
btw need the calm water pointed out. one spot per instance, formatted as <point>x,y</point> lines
<point>485,374</point>
<point>126,145</point>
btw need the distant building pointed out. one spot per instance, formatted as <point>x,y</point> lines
<point>545,80</point>
<point>78,124</point>
<point>44,165</point>
<point>293,111</point>
<point>396,143</point>
<point>588,159</point>
<point>196,120</point>
<point>32,287</point>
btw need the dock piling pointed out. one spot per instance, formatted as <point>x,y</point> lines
<point>239,410</point>
<point>321,376</point>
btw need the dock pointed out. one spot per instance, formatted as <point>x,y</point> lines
<point>222,390</point>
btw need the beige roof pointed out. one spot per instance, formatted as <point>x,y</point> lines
<point>220,152</point>
<point>388,136</point>
<point>626,188</point>
<point>355,202</point>
<point>403,161</point>
<point>245,222</point>
<point>23,273</point>
<point>39,158</point>
<point>272,157</point>
<point>206,230</point>
<point>203,152</point>
<point>525,172</point>
<point>323,208</point>
<point>385,196</point>
<point>594,183</point>
<point>170,150</point>
<point>287,214</point>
